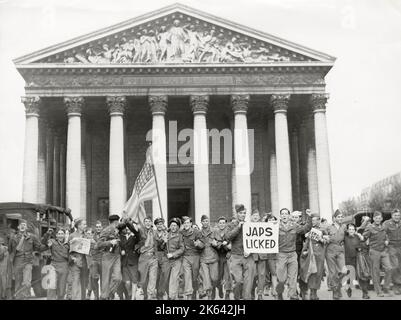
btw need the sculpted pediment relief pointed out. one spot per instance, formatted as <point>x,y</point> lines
<point>175,35</point>
<point>179,41</point>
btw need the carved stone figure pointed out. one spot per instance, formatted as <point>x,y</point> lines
<point>177,38</point>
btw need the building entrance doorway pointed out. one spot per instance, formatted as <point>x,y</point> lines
<point>180,202</point>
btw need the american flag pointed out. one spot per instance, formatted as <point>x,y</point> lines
<point>144,189</point>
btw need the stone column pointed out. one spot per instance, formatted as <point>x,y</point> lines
<point>303,176</point>
<point>313,193</point>
<point>233,183</point>
<point>73,166</point>
<point>295,170</point>
<point>280,107</point>
<point>158,107</point>
<point>117,187</point>
<point>30,174</point>
<point>83,169</point>
<point>56,169</point>
<point>272,169</point>
<point>62,171</point>
<point>239,105</point>
<point>49,163</point>
<point>199,105</point>
<point>318,102</point>
<point>42,193</point>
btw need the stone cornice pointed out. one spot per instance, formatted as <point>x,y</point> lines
<point>116,104</point>
<point>318,102</point>
<point>158,104</point>
<point>239,103</point>
<point>32,106</point>
<point>74,105</point>
<point>199,104</point>
<point>279,102</point>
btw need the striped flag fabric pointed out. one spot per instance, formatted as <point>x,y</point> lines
<point>144,189</point>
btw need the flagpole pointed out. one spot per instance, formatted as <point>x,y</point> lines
<point>157,186</point>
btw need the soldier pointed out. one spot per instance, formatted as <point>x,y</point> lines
<point>335,254</point>
<point>260,261</point>
<point>162,261</point>
<point>315,244</point>
<point>5,271</point>
<point>393,230</point>
<point>129,258</point>
<point>271,263</point>
<point>209,265</point>
<point>95,270</point>
<point>147,264</point>
<point>287,264</point>
<point>109,242</point>
<point>79,266</point>
<point>296,216</point>
<point>223,248</point>
<point>59,250</point>
<point>173,248</point>
<point>242,264</point>
<point>22,246</point>
<point>378,253</point>
<point>193,245</point>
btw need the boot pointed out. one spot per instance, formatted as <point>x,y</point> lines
<point>213,294</point>
<point>335,294</point>
<point>280,290</point>
<point>260,297</point>
<point>237,293</point>
<point>227,295</point>
<point>313,294</point>
<point>220,289</point>
<point>365,295</point>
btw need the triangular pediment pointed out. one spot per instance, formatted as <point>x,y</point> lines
<point>175,35</point>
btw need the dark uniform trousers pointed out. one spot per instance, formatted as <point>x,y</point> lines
<point>395,260</point>
<point>163,271</point>
<point>23,275</point>
<point>315,279</point>
<point>190,266</point>
<point>61,274</point>
<point>111,274</point>
<point>243,272</point>
<point>224,275</point>
<point>148,269</point>
<point>335,263</point>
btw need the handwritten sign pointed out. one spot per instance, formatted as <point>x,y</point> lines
<point>260,237</point>
<point>315,234</point>
<point>80,245</point>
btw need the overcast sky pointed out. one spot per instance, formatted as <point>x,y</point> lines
<point>364,110</point>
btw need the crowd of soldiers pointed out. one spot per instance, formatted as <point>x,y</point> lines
<point>179,260</point>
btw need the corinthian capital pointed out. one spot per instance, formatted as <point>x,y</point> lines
<point>74,105</point>
<point>280,102</point>
<point>199,104</point>
<point>318,101</point>
<point>116,104</point>
<point>32,105</point>
<point>239,103</point>
<point>158,104</point>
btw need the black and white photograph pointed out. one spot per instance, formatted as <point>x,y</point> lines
<point>212,151</point>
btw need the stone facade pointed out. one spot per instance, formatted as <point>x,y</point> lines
<point>212,74</point>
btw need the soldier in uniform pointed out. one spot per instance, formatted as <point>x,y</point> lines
<point>95,269</point>
<point>260,261</point>
<point>315,242</point>
<point>59,250</point>
<point>22,246</point>
<point>287,263</point>
<point>242,264</point>
<point>223,248</point>
<point>109,242</point>
<point>335,254</point>
<point>378,253</point>
<point>209,265</point>
<point>173,248</point>
<point>147,264</point>
<point>78,263</point>
<point>191,261</point>
<point>162,261</point>
<point>393,230</point>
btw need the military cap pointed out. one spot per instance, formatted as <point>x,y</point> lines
<point>336,213</point>
<point>77,222</point>
<point>175,220</point>
<point>158,220</point>
<point>377,213</point>
<point>239,207</point>
<point>114,217</point>
<point>204,217</point>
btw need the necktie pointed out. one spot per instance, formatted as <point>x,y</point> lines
<point>20,246</point>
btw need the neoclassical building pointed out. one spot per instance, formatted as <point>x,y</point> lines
<point>91,101</point>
